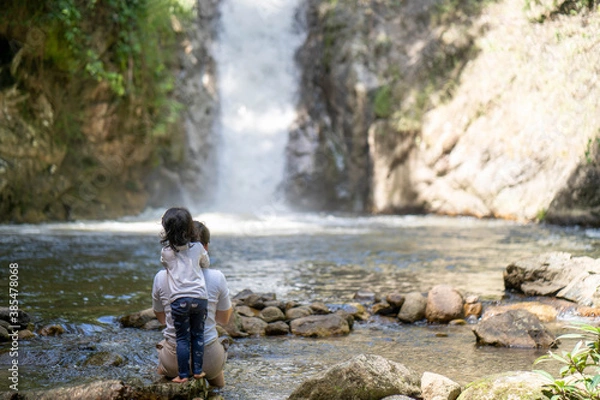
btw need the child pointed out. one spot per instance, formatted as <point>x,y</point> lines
<point>183,257</point>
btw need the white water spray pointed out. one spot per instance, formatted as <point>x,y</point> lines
<point>257,83</point>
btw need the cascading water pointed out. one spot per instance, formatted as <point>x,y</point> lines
<point>257,83</point>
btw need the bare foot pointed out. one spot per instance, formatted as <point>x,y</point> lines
<point>200,375</point>
<point>179,380</point>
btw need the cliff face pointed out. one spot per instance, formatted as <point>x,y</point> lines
<point>71,147</point>
<point>484,110</point>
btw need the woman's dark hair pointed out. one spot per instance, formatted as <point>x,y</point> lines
<point>202,233</point>
<point>178,227</point>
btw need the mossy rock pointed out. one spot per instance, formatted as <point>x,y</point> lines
<point>514,385</point>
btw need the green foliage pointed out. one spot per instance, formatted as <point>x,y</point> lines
<point>579,374</point>
<point>590,151</point>
<point>382,104</point>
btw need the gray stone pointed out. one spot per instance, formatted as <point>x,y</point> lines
<point>298,312</point>
<point>320,326</point>
<point>438,387</point>
<point>444,304</point>
<point>522,385</point>
<point>514,328</point>
<point>413,309</point>
<point>365,377</point>
<point>272,314</point>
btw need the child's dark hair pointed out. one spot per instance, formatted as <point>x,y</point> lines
<point>178,227</point>
<point>202,233</point>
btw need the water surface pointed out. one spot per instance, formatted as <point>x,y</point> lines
<point>83,276</point>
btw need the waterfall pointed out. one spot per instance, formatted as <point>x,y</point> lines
<point>257,80</point>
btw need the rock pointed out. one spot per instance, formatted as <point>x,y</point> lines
<point>253,326</point>
<point>348,317</point>
<point>272,314</point>
<point>51,330</point>
<point>413,309</point>
<point>395,299</point>
<point>544,312</point>
<point>514,328</point>
<point>472,309</point>
<point>320,326</point>
<point>438,387</point>
<point>25,334</point>
<point>246,311</point>
<point>104,359</point>
<point>320,308</point>
<point>277,328</point>
<point>365,377</point>
<point>550,273</point>
<point>298,312</point>
<point>234,327</point>
<point>384,308</point>
<point>22,318</point>
<point>117,390</point>
<point>522,385</point>
<point>4,335</point>
<point>243,295</point>
<point>444,303</point>
<point>357,310</point>
<point>153,325</point>
<point>138,319</point>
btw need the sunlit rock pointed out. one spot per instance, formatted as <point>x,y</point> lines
<point>298,312</point>
<point>272,314</point>
<point>277,328</point>
<point>438,387</point>
<point>253,326</point>
<point>320,326</point>
<point>413,309</point>
<point>522,385</point>
<point>514,328</point>
<point>364,377</point>
<point>444,304</point>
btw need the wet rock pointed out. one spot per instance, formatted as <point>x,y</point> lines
<point>272,314</point>
<point>395,299</point>
<point>253,326</point>
<point>357,310</point>
<point>117,390</point>
<point>275,303</point>
<point>438,387</point>
<point>522,385</point>
<point>242,296</point>
<point>153,325</point>
<point>22,319</point>
<point>320,326</point>
<point>320,308</point>
<point>545,312</point>
<point>298,312</point>
<point>246,311</point>
<point>234,327</point>
<point>51,330</point>
<point>472,309</point>
<point>347,316</point>
<point>413,309</point>
<point>25,334</point>
<point>277,328</point>
<point>138,319</point>
<point>104,359</point>
<point>259,300</point>
<point>384,308</point>
<point>4,335</point>
<point>444,303</point>
<point>364,377</point>
<point>514,328</point>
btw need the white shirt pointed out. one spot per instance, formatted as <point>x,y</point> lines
<point>185,270</point>
<point>218,300</point>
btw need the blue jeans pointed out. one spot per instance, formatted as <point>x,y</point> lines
<point>188,319</point>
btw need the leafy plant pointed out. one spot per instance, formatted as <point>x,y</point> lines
<point>580,371</point>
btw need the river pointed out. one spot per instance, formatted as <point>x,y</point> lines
<point>83,276</point>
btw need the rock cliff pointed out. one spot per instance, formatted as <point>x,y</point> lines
<point>487,109</point>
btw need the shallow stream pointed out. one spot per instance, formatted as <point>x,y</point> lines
<point>83,276</point>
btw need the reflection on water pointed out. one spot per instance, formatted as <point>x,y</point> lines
<point>84,276</point>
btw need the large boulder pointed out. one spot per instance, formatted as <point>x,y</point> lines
<point>514,328</point>
<point>518,385</point>
<point>556,274</point>
<point>365,377</point>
